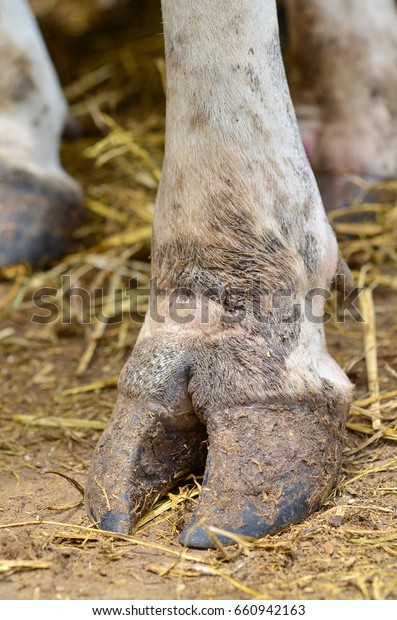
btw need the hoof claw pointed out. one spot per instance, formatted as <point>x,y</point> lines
<point>277,476</point>
<point>292,508</point>
<point>140,457</point>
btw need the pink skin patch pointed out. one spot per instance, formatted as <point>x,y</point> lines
<point>309,144</point>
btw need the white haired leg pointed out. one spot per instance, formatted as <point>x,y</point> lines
<point>39,202</point>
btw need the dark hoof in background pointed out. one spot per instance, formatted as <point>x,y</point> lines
<point>341,192</point>
<point>38,216</point>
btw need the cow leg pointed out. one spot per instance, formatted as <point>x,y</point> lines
<point>242,251</point>
<point>343,79</point>
<point>39,203</point>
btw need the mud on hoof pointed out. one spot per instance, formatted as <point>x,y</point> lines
<point>38,216</point>
<point>153,438</point>
<point>268,466</point>
<point>270,463</point>
<point>142,454</point>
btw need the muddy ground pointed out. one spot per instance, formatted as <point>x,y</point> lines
<point>48,548</point>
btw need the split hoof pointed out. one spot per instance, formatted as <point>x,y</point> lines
<point>191,399</point>
<point>37,217</point>
<point>267,466</point>
<point>339,192</point>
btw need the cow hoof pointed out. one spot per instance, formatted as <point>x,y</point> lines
<point>143,452</point>
<point>342,191</point>
<point>37,216</point>
<point>267,465</point>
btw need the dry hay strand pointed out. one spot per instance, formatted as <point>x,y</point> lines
<point>9,567</point>
<point>371,239</point>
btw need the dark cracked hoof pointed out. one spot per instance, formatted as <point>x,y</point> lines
<point>340,192</point>
<point>268,465</point>
<point>141,455</point>
<point>37,217</point>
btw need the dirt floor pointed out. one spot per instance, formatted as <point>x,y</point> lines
<point>58,377</point>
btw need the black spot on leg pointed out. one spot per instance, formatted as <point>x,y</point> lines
<point>23,83</point>
<point>16,79</point>
<point>39,118</point>
<point>174,49</point>
<point>253,78</point>
<point>309,253</point>
<point>257,123</point>
<point>200,117</point>
<point>179,179</point>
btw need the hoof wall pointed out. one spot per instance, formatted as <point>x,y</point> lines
<point>277,476</point>
<point>293,507</point>
<point>113,522</point>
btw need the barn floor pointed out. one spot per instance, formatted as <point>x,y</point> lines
<point>58,378</point>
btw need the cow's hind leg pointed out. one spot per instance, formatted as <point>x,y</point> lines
<point>40,204</point>
<point>242,258</point>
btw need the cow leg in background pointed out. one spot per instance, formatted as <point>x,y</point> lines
<point>342,72</point>
<point>235,347</point>
<point>39,203</point>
